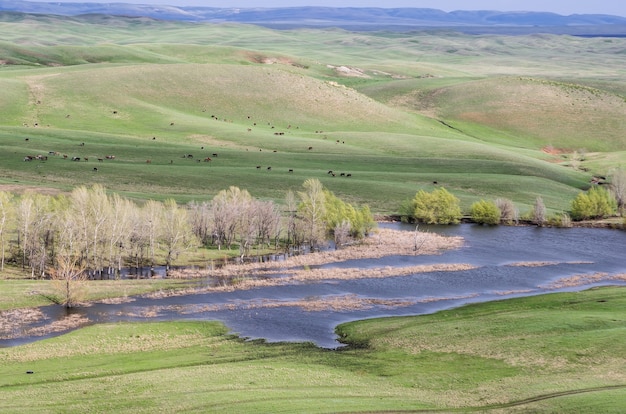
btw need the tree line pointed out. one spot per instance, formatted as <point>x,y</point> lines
<point>90,230</point>
<point>442,207</point>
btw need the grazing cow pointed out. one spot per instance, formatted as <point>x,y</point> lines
<point>26,139</point>
<point>269,168</point>
<point>290,170</point>
<point>207,159</point>
<point>100,160</point>
<point>114,112</point>
<point>435,182</point>
<point>148,161</point>
<point>214,154</point>
<point>27,158</point>
<point>95,168</point>
<point>82,144</point>
<point>310,148</point>
<point>329,172</point>
<point>75,158</point>
<point>171,124</point>
<point>258,167</point>
<point>348,175</point>
<point>189,155</point>
<point>64,156</point>
<point>153,138</point>
<point>86,159</point>
<point>110,157</point>
<point>249,130</point>
<point>342,174</point>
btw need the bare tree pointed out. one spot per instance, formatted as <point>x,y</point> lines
<point>267,220</point>
<point>342,233</point>
<point>200,220</point>
<point>509,214</point>
<point>176,234</point>
<point>539,212</point>
<point>7,213</point>
<point>137,236</point>
<point>119,229</point>
<point>226,207</point>
<point>618,188</point>
<point>291,205</point>
<point>34,218</point>
<point>151,215</point>
<point>69,278</point>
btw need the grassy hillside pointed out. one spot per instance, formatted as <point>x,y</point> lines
<point>484,116</point>
<point>553,353</point>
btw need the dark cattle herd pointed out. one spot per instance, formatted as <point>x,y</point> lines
<point>110,157</point>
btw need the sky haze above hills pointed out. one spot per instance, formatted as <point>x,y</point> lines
<point>564,7</point>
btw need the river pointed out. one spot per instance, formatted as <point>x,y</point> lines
<point>509,262</point>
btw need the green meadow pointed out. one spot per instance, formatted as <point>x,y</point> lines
<point>554,353</point>
<point>484,116</point>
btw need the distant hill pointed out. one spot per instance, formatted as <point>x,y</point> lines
<point>351,18</point>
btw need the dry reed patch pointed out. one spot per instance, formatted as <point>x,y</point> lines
<point>583,279</point>
<point>532,264</point>
<point>116,301</point>
<point>511,292</point>
<point>11,321</point>
<point>238,281</point>
<point>381,272</point>
<point>385,242</point>
<point>65,324</point>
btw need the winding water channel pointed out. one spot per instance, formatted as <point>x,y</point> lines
<point>509,262</point>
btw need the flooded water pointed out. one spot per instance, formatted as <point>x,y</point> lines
<point>509,262</point>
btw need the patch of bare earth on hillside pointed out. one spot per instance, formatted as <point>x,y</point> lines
<point>348,71</point>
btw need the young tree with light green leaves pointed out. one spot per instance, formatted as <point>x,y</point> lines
<point>594,204</point>
<point>436,207</point>
<point>485,212</point>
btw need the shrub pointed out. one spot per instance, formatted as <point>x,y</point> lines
<point>595,203</point>
<point>437,207</point>
<point>485,212</point>
<point>560,220</point>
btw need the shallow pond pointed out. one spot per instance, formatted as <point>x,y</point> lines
<point>509,262</point>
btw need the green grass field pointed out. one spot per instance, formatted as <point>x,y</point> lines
<point>552,353</point>
<point>483,116</point>
<point>398,111</point>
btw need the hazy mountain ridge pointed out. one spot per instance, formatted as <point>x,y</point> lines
<point>361,18</point>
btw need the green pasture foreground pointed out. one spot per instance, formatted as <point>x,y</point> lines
<point>552,353</point>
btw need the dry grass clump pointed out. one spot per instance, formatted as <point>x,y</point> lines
<point>69,322</point>
<point>295,269</point>
<point>385,242</point>
<point>583,279</point>
<point>12,320</point>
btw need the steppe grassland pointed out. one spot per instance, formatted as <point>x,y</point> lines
<point>554,353</point>
<point>369,90</point>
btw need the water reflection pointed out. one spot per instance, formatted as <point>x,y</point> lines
<point>509,262</point>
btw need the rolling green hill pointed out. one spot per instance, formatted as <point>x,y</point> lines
<point>483,116</point>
